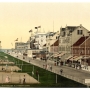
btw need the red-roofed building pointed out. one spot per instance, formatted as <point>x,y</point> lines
<point>81,47</point>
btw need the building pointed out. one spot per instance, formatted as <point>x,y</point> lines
<point>21,48</point>
<point>36,44</point>
<point>81,49</point>
<point>68,36</point>
<point>52,37</point>
<point>40,40</point>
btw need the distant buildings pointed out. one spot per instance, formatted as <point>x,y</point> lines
<point>68,36</point>
<point>69,46</point>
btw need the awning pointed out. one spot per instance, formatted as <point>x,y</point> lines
<point>78,58</point>
<point>73,58</point>
<point>55,55</point>
<point>68,57</point>
<point>61,54</point>
<point>87,57</point>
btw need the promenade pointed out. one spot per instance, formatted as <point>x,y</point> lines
<point>68,72</point>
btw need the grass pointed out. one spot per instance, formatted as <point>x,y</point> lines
<point>46,78</point>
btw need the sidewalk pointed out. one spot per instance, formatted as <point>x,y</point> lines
<point>68,71</point>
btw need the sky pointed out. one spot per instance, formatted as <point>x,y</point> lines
<point>17,18</point>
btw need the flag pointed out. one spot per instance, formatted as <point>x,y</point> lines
<point>39,26</point>
<point>30,30</point>
<point>16,39</point>
<point>36,27</point>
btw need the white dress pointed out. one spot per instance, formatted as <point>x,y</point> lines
<point>7,79</point>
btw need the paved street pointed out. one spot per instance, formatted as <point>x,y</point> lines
<point>69,72</point>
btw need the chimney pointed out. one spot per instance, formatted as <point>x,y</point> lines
<point>80,24</point>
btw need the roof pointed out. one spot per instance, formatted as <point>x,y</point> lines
<point>55,43</point>
<point>80,41</point>
<point>63,29</point>
<point>50,33</point>
<point>44,45</point>
<point>71,27</point>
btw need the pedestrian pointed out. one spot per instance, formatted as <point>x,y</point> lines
<point>29,61</point>
<point>46,66</point>
<point>7,80</point>
<point>37,73</point>
<point>24,79</point>
<point>32,73</point>
<point>51,67</point>
<point>61,71</point>
<point>20,80</point>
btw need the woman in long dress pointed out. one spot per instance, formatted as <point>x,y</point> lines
<point>7,79</point>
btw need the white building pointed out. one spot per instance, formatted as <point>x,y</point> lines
<point>40,40</point>
<point>52,37</point>
<point>20,47</point>
<point>35,44</point>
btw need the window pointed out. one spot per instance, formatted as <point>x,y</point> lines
<point>79,32</point>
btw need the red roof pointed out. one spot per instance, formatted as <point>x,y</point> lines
<point>55,43</point>
<point>80,41</point>
<point>44,45</point>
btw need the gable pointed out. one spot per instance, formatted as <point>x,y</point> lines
<point>80,41</point>
<point>55,43</point>
<point>86,43</point>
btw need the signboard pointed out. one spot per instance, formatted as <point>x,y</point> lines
<point>87,80</point>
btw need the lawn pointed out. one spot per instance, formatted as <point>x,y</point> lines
<point>46,78</point>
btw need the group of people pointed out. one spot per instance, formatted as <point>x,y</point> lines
<point>7,80</point>
<point>47,66</point>
<point>24,80</point>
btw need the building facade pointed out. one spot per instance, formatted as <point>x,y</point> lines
<point>69,35</point>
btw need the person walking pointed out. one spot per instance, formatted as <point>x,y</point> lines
<point>32,73</point>
<point>24,79</point>
<point>20,80</point>
<point>37,73</point>
<point>61,71</point>
<point>29,61</point>
<point>51,67</point>
<point>7,80</point>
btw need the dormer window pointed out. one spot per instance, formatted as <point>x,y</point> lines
<point>79,32</point>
